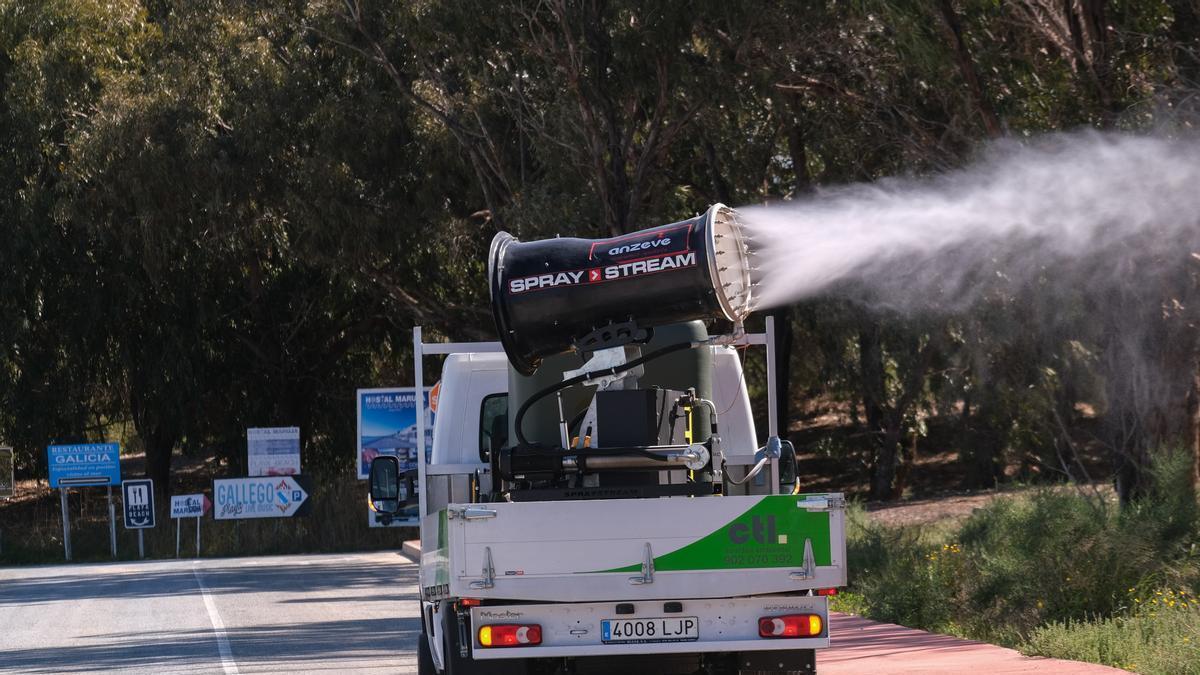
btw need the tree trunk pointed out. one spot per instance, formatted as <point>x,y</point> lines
<point>1151,362</point>
<point>720,186</point>
<point>966,68</point>
<point>1185,38</point>
<point>883,464</point>
<point>158,460</point>
<point>157,439</point>
<point>798,148</point>
<point>784,333</point>
<point>982,446</point>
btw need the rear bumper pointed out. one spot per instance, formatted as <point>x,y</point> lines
<point>726,625</point>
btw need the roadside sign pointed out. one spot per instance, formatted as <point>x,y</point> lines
<point>189,506</point>
<point>139,503</point>
<point>387,425</point>
<point>7,481</point>
<point>273,451</point>
<point>84,464</point>
<point>260,497</point>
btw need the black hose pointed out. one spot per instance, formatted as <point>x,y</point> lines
<point>559,386</point>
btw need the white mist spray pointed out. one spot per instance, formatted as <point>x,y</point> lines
<point>1085,202</point>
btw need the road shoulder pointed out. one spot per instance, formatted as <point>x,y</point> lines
<point>860,645</point>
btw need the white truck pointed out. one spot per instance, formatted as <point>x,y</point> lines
<point>634,527</point>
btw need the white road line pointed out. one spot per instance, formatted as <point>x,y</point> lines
<point>214,616</point>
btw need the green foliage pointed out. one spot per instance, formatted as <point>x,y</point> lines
<point>219,214</point>
<point>1161,636</point>
<point>905,575</point>
<point>1055,558</point>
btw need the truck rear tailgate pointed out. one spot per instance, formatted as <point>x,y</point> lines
<point>576,551</point>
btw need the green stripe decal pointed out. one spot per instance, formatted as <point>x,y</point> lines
<point>769,534</point>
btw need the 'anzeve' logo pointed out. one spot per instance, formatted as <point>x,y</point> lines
<point>758,531</point>
<point>640,246</point>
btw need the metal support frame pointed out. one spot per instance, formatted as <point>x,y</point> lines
<point>767,339</point>
<point>419,376</point>
<point>772,400</point>
<point>422,349</point>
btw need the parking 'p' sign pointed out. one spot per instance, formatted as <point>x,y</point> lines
<point>139,503</point>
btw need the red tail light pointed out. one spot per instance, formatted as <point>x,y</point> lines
<point>826,591</point>
<point>510,635</point>
<point>790,626</point>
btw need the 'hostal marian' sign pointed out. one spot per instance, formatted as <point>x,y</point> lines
<point>189,506</point>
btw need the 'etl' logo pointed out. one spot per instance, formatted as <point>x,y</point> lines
<point>757,531</point>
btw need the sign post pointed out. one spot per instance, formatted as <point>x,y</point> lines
<point>112,524</point>
<point>82,465</point>
<point>62,497</point>
<point>261,497</point>
<point>188,506</point>
<point>138,498</point>
<point>7,477</point>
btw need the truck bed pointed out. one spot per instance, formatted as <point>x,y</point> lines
<point>636,549</point>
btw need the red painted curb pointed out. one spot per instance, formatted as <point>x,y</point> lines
<point>860,645</point>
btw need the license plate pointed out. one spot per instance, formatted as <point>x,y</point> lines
<point>658,629</point>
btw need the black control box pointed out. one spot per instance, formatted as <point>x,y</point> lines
<point>629,418</point>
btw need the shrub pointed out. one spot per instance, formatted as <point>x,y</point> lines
<point>1160,635</point>
<point>1055,558</point>
<point>905,575</point>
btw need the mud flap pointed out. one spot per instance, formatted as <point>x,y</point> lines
<point>790,662</point>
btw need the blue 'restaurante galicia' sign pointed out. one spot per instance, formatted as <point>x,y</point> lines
<point>84,464</point>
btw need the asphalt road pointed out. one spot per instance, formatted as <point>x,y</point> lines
<point>331,614</point>
<point>283,614</point>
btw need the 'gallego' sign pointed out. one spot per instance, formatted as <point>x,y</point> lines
<point>259,497</point>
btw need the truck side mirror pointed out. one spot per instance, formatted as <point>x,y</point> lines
<point>787,467</point>
<point>386,492</point>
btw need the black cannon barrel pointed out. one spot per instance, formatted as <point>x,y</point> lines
<point>548,293</point>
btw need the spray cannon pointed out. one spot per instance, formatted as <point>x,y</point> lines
<point>551,295</point>
<point>604,299</point>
